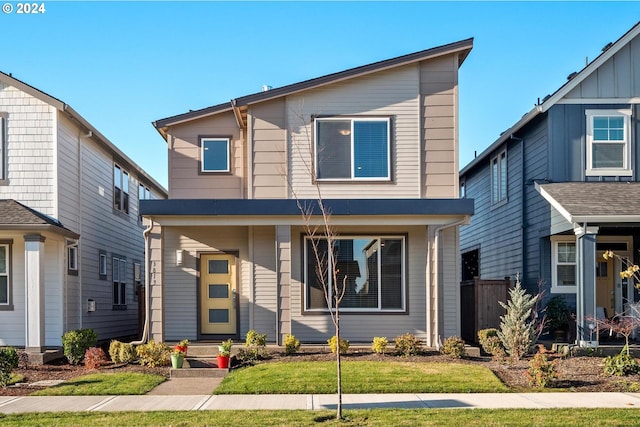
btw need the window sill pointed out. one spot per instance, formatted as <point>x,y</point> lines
<point>8,307</point>
<point>500,203</point>
<point>563,289</point>
<point>608,172</point>
<point>360,312</point>
<point>72,272</point>
<point>119,307</point>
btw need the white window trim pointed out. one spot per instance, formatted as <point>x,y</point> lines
<point>123,172</point>
<point>498,201</point>
<point>9,304</point>
<point>3,145</point>
<point>122,269</point>
<point>626,170</point>
<point>102,264</point>
<point>213,138</point>
<point>72,262</point>
<point>361,310</point>
<point>555,289</point>
<point>353,177</point>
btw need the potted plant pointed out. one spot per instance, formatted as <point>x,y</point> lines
<point>224,354</point>
<point>178,354</point>
<point>557,313</point>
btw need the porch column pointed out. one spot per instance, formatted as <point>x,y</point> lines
<point>283,276</point>
<point>34,293</point>
<point>586,286</point>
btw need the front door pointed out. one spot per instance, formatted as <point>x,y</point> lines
<point>605,286</point>
<point>218,294</point>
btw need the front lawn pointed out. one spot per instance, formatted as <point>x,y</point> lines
<point>372,417</point>
<point>105,384</point>
<point>361,377</point>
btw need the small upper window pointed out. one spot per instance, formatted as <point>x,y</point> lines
<point>608,143</point>
<point>499,178</point>
<point>102,265</point>
<point>214,155</point>
<point>357,148</point>
<point>73,259</point>
<point>120,189</point>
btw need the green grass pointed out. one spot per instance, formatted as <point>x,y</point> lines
<point>373,417</point>
<point>104,384</point>
<point>361,377</point>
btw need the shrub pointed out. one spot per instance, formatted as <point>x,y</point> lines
<point>517,331</point>
<point>454,347</point>
<point>344,345</point>
<point>114,351</point>
<point>380,345</point>
<point>291,344</point>
<point>75,343</point>
<point>541,372</point>
<point>407,345</point>
<point>621,365</point>
<point>8,362</point>
<point>127,353</point>
<point>94,357</point>
<point>490,342</point>
<point>153,354</point>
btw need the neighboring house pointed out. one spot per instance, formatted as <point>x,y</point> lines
<point>560,187</point>
<point>380,141</point>
<point>71,244</point>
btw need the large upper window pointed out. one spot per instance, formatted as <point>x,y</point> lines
<point>564,265</point>
<point>120,189</point>
<point>499,178</point>
<point>352,148</point>
<point>5,278</point>
<point>214,155</point>
<point>608,142</point>
<point>371,268</point>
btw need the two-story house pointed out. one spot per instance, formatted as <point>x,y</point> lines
<point>560,187</point>
<point>71,244</point>
<point>228,251</point>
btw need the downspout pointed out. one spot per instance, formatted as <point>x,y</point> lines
<point>523,211</point>
<point>436,261</point>
<point>147,250</point>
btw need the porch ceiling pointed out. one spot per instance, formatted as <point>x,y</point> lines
<point>594,202</point>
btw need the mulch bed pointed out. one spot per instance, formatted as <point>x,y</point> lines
<point>581,373</point>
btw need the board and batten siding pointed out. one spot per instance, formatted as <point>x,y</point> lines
<point>30,150</point>
<point>185,179</point>
<point>386,93</point>
<point>361,328</point>
<point>180,293</point>
<point>618,77</point>
<point>269,153</point>
<point>439,106</point>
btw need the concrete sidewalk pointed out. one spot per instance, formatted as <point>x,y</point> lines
<point>15,404</point>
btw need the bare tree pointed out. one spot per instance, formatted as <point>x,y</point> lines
<point>333,282</point>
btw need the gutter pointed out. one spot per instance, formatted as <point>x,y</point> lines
<point>145,328</point>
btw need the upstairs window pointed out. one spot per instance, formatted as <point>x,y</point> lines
<point>352,149</point>
<point>214,155</point>
<point>499,178</point>
<point>608,143</point>
<point>72,259</point>
<point>120,189</point>
<point>143,194</point>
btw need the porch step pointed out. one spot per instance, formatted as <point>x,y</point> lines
<point>197,367</point>
<point>203,350</point>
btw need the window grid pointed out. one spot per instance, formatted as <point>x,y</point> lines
<point>119,281</point>
<point>499,178</point>
<point>608,143</point>
<point>5,287</point>
<point>121,189</point>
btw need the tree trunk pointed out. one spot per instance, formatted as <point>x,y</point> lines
<point>339,367</point>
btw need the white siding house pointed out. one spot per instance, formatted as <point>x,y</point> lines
<point>71,226</point>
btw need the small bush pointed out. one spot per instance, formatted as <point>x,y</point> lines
<point>75,343</point>
<point>94,357</point>
<point>8,362</point>
<point>153,354</point>
<point>255,345</point>
<point>494,347</point>
<point>344,345</point>
<point>114,351</point>
<point>291,344</point>
<point>454,347</point>
<point>541,372</point>
<point>127,353</point>
<point>621,365</point>
<point>379,345</point>
<point>484,334</point>
<point>407,345</point>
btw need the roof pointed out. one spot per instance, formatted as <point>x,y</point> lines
<point>463,47</point>
<point>552,99</point>
<point>14,215</point>
<point>594,202</point>
<point>265,208</point>
<point>122,158</point>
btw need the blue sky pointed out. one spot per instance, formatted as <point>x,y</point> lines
<point>122,65</point>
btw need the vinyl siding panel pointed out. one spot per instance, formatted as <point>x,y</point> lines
<point>269,153</point>
<point>361,328</point>
<point>387,93</point>
<point>450,276</point>
<point>266,287</point>
<point>185,180</point>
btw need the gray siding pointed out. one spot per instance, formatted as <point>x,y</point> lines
<point>269,154</point>
<point>265,279</point>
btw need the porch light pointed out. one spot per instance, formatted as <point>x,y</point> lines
<point>179,257</point>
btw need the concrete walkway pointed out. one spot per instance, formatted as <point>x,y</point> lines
<point>203,402</point>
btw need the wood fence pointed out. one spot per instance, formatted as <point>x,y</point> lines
<point>479,307</point>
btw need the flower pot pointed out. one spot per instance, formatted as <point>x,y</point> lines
<point>176,361</point>
<point>223,362</point>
